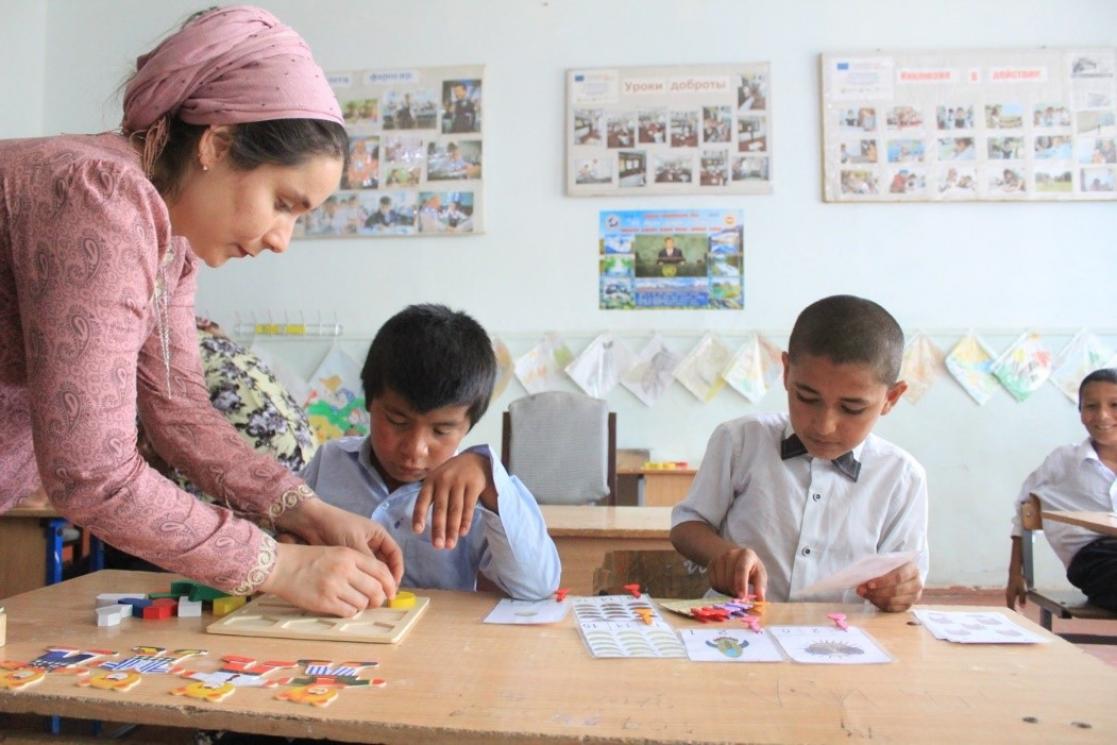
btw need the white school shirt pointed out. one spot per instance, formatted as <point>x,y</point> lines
<point>512,548</point>
<point>802,516</point>
<point>1071,478</point>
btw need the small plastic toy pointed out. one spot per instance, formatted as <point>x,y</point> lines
<point>561,593</point>
<point>839,620</point>
<point>403,600</point>
<point>634,588</point>
<point>752,622</point>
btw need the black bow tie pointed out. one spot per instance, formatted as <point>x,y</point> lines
<point>849,466</point>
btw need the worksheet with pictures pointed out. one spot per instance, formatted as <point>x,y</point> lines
<point>669,130</point>
<point>416,155</point>
<point>1000,125</point>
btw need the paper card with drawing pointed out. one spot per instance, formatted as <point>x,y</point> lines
<point>652,371</point>
<point>627,639</point>
<point>975,627</point>
<point>599,367</point>
<point>970,363</point>
<point>528,612</point>
<point>540,369</point>
<point>1024,366</point>
<point>922,365</point>
<point>505,367</point>
<point>827,645</point>
<point>700,370</point>
<point>862,570</point>
<point>729,645</point>
<point>755,368</point>
<point>1080,357</point>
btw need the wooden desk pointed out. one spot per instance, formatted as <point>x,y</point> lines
<point>1099,522</point>
<point>23,549</point>
<point>662,487</point>
<point>456,680</point>
<point>584,533</point>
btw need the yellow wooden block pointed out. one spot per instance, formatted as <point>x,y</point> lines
<point>226,605</point>
<point>403,599</point>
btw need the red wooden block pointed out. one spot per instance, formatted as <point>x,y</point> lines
<point>155,612</point>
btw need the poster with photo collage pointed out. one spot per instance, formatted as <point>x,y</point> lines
<point>999,125</point>
<point>671,259</point>
<point>669,130</point>
<point>416,155</point>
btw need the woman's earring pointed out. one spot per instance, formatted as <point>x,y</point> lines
<point>205,167</point>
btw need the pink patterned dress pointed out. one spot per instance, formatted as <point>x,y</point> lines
<point>97,324</point>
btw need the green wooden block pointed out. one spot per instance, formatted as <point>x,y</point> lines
<point>204,593</point>
<point>157,595</point>
<point>183,587</point>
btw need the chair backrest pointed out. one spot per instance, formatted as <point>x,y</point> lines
<point>660,573</point>
<point>563,446</point>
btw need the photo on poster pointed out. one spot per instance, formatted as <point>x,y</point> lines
<point>673,169</point>
<point>859,151</point>
<point>401,175</point>
<point>717,124</point>
<point>593,171</point>
<point>1005,148</point>
<point>957,182</point>
<point>905,151</point>
<point>908,181</point>
<point>361,114</point>
<point>957,148</point>
<point>725,265</point>
<point>412,109</point>
<point>454,160</point>
<point>1053,147</point>
<point>684,129</point>
<point>714,168</point>
<point>863,119</point>
<point>445,212</point>
<point>363,169</point>
<point>725,294</point>
<point>615,243</point>
<point>860,182</point>
<point>617,265</point>
<point>747,168</point>
<point>1096,150</point>
<point>1095,122</point>
<point>620,130</point>
<point>1094,96</point>
<point>588,126</point>
<point>632,168</point>
<point>1004,115</point>
<point>1092,65</point>
<point>671,255</point>
<point>390,213</point>
<point>652,127</point>
<point>405,151</point>
<point>903,117</point>
<point>752,92</point>
<point>1050,115</point>
<point>752,134</point>
<point>954,117</point>
<point>617,293</point>
<point>1097,179</point>
<point>461,106</point>
<point>1058,180</point>
<point>1006,181</point>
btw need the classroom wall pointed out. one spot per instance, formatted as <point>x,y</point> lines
<point>942,268</point>
<point>23,44</point>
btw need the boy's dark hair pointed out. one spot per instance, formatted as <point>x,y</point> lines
<point>433,357</point>
<point>848,329</point>
<point>1102,375</point>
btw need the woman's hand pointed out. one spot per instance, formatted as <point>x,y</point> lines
<point>322,524</point>
<point>329,580</point>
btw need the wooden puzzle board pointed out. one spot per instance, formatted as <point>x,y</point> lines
<point>271,616</point>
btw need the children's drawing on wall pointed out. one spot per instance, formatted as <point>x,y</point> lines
<point>599,367</point>
<point>668,130</point>
<point>970,363</point>
<point>541,368</point>
<point>1080,357</point>
<point>755,368</point>
<point>700,371</point>
<point>411,132</point>
<point>336,405</point>
<point>1024,366</point>
<point>652,371</point>
<point>922,365</point>
<point>671,259</point>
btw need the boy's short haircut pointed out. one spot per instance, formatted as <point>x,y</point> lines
<point>849,329</point>
<point>1101,375</point>
<point>433,357</point>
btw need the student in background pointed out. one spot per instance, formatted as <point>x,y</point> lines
<point>427,380</point>
<point>1078,478</point>
<point>782,501</point>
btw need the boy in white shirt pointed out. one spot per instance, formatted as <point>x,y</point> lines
<point>782,501</point>
<point>1078,478</point>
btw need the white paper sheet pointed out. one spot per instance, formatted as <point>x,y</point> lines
<point>540,369</point>
<point>652,371</point>
<point>829,645</point>
<point>700,370</point>
<point>862,570</point>
<point>729,645</point>
<point>975,627</point>
<point>629,639</point>
<point>528,612</point>
<point>599,367</point>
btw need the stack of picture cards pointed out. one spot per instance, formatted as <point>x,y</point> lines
<point>625,626</point>
<point>975,627</point>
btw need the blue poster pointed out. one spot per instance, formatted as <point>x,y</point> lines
<point>671,259</point>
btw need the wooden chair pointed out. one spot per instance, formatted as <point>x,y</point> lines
<point>661,574</point>
<point>1065,604</point>
<point>561,454</point>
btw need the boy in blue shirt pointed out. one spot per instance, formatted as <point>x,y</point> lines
<point>784,500</point>
<point>427,380</point>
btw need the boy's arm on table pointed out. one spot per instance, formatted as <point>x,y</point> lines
<point>731,569</point>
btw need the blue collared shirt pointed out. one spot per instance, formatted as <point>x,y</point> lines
<point>511,548</point>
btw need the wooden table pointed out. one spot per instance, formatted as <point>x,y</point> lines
<point>584,533</point>
<point>1099,522</point>
<point>456,680</point>
<point>662,487</point>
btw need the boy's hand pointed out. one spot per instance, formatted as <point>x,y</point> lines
<point>319,523</point>
<point>452,490</point>
<point>737,569</point>
<point>1016,591</point>
<point>329,579</point>
<point>896,591</point>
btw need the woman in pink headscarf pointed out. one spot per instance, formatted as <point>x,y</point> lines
<point>230,132</point>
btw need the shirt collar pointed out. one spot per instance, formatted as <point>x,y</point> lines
<point>1086,451</point>
<point>848,464</point>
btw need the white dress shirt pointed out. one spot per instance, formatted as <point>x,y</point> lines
<point>1073,479</point>
<point>802,516</point>
<point>512,548</point>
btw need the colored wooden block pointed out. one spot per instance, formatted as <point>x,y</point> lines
<point>226,605</point>
<point>183,587</point>
<point>206,593</point>
<point>165,603</point>
<point>112,615</point>
<point>403,599</point>
<point>157,612</point>
<point>138,604</point>
<point>162,595</point>
<point>188,608</point>
<point>106,599</point>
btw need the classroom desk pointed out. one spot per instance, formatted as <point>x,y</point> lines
<point>1099,522</point>
<point>584,533</point>
<point>456,680</point>
<point>662,487</point>
<point>31,549</point>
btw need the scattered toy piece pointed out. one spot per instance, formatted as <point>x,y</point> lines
<point>105,599</point>
<point>752,622</point>
<point>645,615</point>
<point>188,608</point>
<point>561,593</point>
<point>839,620</point>
<point>225,605</point>
<point>633,588</point>
<point>137,604</point>
<point>403,599</point>
<point>18,678</point>
<point>157,612</point>
<point>206,593</point>
<point>112,680</point>
<point>325,680</point>
<point>206,691</point>
<point>112,615</point>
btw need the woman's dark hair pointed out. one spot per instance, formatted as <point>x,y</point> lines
<point>1104,375</point>
<point>277,142</point>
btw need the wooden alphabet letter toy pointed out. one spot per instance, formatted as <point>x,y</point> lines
<point>324,680</point>
<point>235,672</point>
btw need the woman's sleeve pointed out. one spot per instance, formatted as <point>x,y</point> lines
<point>86,268</point>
